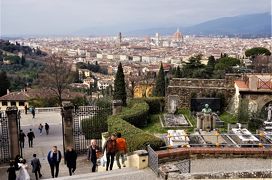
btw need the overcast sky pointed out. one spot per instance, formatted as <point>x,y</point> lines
<point>48,17</point>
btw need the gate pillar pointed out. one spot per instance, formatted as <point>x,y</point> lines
<point>116,106</point>
<point>12,114</point>
<point>67,116</point>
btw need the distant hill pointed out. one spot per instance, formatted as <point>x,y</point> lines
<point>252,24</point>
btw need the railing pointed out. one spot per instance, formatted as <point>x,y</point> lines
<point>153,160</point>
<point>229,140</point>
<point>265,83</point>
<point>48,109</point>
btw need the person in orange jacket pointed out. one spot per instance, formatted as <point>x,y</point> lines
<point>121,146</point>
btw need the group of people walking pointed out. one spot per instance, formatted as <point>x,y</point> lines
<point>19,164</point>
<point>115,146</point>
<point>31,136</point>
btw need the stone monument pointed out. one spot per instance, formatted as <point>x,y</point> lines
<point>269,112</point>
<point>206,119</point>
<point>172,107</point>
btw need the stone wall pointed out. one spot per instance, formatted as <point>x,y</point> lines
<point>220,175</point>
<point>185,88</point>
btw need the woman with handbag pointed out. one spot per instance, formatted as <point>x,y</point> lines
<point>93,154</point>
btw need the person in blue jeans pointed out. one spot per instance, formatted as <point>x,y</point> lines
<point>54,158</point>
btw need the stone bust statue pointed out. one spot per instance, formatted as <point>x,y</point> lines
<point>206,109</point>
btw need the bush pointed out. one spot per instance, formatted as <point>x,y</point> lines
<point>136,138</point>
<point>156,104</point>
<point>136,113</point>
<point>93,127</point>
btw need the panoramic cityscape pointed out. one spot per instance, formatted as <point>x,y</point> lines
<point>135,89</point>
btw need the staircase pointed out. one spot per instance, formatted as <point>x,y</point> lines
<point>117,174</point>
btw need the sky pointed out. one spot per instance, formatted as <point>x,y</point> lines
<point>61,17</point>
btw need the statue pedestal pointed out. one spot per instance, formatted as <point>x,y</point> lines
<point>205,121</point>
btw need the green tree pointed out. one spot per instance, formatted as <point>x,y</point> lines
<point>243,114</point>
<point>120,86</point>
<point>193,68</point>
<point>257,51</point>
<point>178,73</point>
<point>4,85</point>
<point>211,63</point>
<point>23,60</point>
<point>159,89</point>
<point>226,63</point>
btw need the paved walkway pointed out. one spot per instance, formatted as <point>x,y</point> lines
<point>42,145</point>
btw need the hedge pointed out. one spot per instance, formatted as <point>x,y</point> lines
<point>136,113</point>
<point>156,104</point>
<point>136,138</point>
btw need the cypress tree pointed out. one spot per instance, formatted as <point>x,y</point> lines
<point>178,73</point>
<point>159,89</point>
<point>23,60</point>
<point>119,92</point>
<point>4,85</point>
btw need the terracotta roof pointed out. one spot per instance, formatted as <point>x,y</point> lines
<point>14,96</point>
<point>241,84</point>
<point>38,93</point>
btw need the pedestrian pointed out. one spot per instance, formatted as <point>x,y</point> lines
<point>110,148</point>
<point>33,112</point>
<point>23,174</point>
<point>11,171</point>
<point>46,126</point>
<point>36,166</point>
<point>30,136</point>
<point>71,157</point>
<point>22,139</point>
<point>54,158</point>
<point>40,129</point>
<point>92,154</point>
<point>16,161</point>
<point>26,108</point>
<point>121,146</point>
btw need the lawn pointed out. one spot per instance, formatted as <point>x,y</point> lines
<point>228,119</point>
<point>154,125</point>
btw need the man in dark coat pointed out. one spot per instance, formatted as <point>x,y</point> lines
<point>71,157</point>
<point>22,139</point>
<point>36,166</point>
<point>46,126</point>
<point>30,136</point>
<point>54,158</point>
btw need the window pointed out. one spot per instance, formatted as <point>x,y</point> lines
<point>13,103</point>
<point>21,103</point>
<point>4,103</point>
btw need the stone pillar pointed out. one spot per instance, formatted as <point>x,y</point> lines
<point>67,116</point>
<point>116,106</point>
<point>12,113</point>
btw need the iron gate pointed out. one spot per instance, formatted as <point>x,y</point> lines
<point>153,160</point>
<point>4,141</point>
<point>89,123</point>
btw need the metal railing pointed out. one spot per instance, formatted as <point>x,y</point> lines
<point>48,109</point>
<point>153,160</point>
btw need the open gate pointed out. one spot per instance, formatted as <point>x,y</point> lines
<point>88,123</point>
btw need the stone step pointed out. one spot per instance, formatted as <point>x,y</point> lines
<point>117,174</point>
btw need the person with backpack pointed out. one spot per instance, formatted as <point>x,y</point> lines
<point>110,148</point>
<point>121,146</point>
